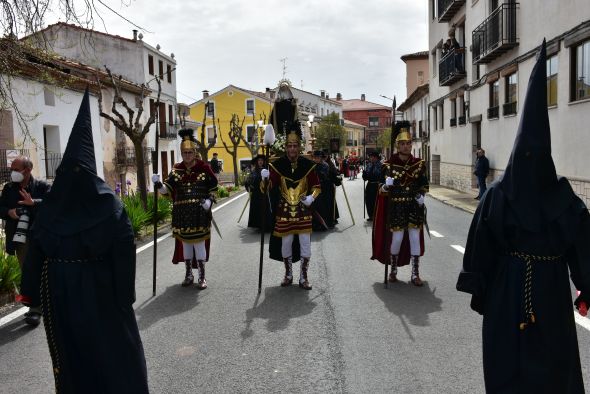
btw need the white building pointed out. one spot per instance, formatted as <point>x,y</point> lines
<point>135,61</point>
<point>477,85</point>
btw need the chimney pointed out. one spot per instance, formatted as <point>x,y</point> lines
<point>327,96</point>
<point>205,94</point>
<point>134,35</point>
<point>363,97</point>
<point>323,93</point>
<point>267,90</point>
<point>338,96</point>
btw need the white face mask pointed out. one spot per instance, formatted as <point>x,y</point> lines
<point>16,176</point>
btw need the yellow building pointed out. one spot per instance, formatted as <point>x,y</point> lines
<point>249,106</point>
<point>354,139</point>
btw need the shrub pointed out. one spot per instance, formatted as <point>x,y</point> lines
<point>164,211</point>
<point>222,192</point>
<point>9,271</point>
<point>137,216</point>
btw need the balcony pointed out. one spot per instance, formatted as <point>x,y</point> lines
<point>494,112</point>
<point>349,142</point>
<point>448,8</point>
<point>126,156</point>
<point>168,131</point>
<point>451,67</point>
<point>462,120</point>
<point>453,122</point>
<point>509,109</point>
<point>496,35</point>
<point>6,156</point>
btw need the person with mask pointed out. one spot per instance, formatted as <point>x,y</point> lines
<point>81,267</point>
<point>21,198</point>
<point>529,234</point>
<point>192,185</point>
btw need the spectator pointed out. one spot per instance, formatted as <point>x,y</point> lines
<point>216,164</point>
<point>482,169</point>
<point>21,198</point>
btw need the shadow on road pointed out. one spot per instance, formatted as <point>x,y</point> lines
<point>14,330</point>
<point>280,305</point>
<point>173,301</point>
<point>251,235</point>
<point>410,303</point>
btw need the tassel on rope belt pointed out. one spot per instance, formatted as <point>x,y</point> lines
<point>529,316</point>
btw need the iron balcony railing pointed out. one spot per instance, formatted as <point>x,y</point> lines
<point>6,158</point>
<point>494,112</point>
<point>453,122</point>
<point>451,67</point>
<point>496,35</point>
<point>448,8</point>
<point>509,108</point>
<point>52,161</point>
<point>462,119</point>
<point>125,156</point>
<point>168,131</point>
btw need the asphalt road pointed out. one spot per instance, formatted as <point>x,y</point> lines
<point>348,334</point>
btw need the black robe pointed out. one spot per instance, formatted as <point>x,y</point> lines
<point>374,174</point>
<point>542,358</point>
<point>256,202</point>
<point>325,204</point>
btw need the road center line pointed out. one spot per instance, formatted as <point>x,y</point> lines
<point>21,311</point>
<point>436,234</point>
<point>459,248</point>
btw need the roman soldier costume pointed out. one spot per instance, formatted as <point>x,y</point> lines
<point>398,236</point>
<point>192,189</point>
<point>293,185</point>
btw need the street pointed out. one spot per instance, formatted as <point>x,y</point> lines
<point>347,335</point>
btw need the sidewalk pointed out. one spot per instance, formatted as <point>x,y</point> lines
<point>454,198</point>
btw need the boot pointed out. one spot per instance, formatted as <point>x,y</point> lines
<point>288,279</point>
<point>188,277</point>
<point>416,281</point>
<point>303,282</point>
<point>393,274</point>
<point>202,283</point>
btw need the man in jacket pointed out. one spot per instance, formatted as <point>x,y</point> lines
<point>482,169</point>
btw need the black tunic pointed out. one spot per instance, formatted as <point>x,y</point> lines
<point>542,358</point>
<point>374,174</point>
<point>256,202</point>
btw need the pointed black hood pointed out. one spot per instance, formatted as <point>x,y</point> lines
<point>530,174</point>
<point>78,199</point>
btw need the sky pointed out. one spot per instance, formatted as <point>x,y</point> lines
<point>350,47</point>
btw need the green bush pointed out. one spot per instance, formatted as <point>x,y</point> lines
<point>222,192</point>
<point>164,211</point>
<point>137,216</point>
<point>9,271</point>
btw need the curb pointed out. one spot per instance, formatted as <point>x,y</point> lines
<point>451,203</point>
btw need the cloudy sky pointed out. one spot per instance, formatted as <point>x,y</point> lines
<point>341,46</point>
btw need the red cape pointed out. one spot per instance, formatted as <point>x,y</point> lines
<point>382,237</point>
<point>178,256</point>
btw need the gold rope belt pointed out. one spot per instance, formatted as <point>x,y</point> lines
<point>529,316</point>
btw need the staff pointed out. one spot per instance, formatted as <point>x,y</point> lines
<point>269,139</point>
<point>392,143</point>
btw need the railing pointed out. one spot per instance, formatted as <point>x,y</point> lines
<point>451,67</point>
<point>494,112</point>
<point>6,157</point>
<point>453,122</point>
<point>168,131</point>
<point>496,35</point>
<point>509,108</point>
<point>126,156</point>
<point>52,161</point>
<point>448,8</point>
<point>462,119</point>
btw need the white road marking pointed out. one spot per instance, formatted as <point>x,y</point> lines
<point>21,311</point>
<point>582,321</point>
<point>458,248</point>
<point>436,234</point>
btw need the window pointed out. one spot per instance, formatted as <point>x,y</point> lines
<point>552,65</point>
<point>49,97</point>
<point>161,69</point>
<point>210,135</point>
<point>433,8</point>
<point>250,134</point>
<point>511,95</point>
<point>420,77</point>
<point>581,62</point>
<point>434,63</point>
<point>435,117</point>
<point>210,108</point>
<point>169,73</point>
<point>172,158</point>
<point>249,107</point>
<point>476,75</point>
<point>170,115</point>
<point>461,109</point>
<point>151,64</point>
<point>442,115</point>
<point>373,121</point>
<point>493,110</point>
<point>152,107</point>
<point>453,120</point>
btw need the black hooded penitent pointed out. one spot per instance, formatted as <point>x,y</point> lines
<point>81,265</point>
<point>529,232</point>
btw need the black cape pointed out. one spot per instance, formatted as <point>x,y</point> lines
<point>81,265</point>
<point>257,203</point>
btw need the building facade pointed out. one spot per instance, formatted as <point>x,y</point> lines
<point>481,55</point>
<point>355,134</point>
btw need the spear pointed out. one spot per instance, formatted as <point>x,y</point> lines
<point>269,139</point>
<point>392,143</point>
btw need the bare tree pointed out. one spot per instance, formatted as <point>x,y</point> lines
<point>131,125</point>
<point>254,146</point>
<point>204,144</point>
<point>235,136</point>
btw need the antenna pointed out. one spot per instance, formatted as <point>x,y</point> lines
<point>284,60</point>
